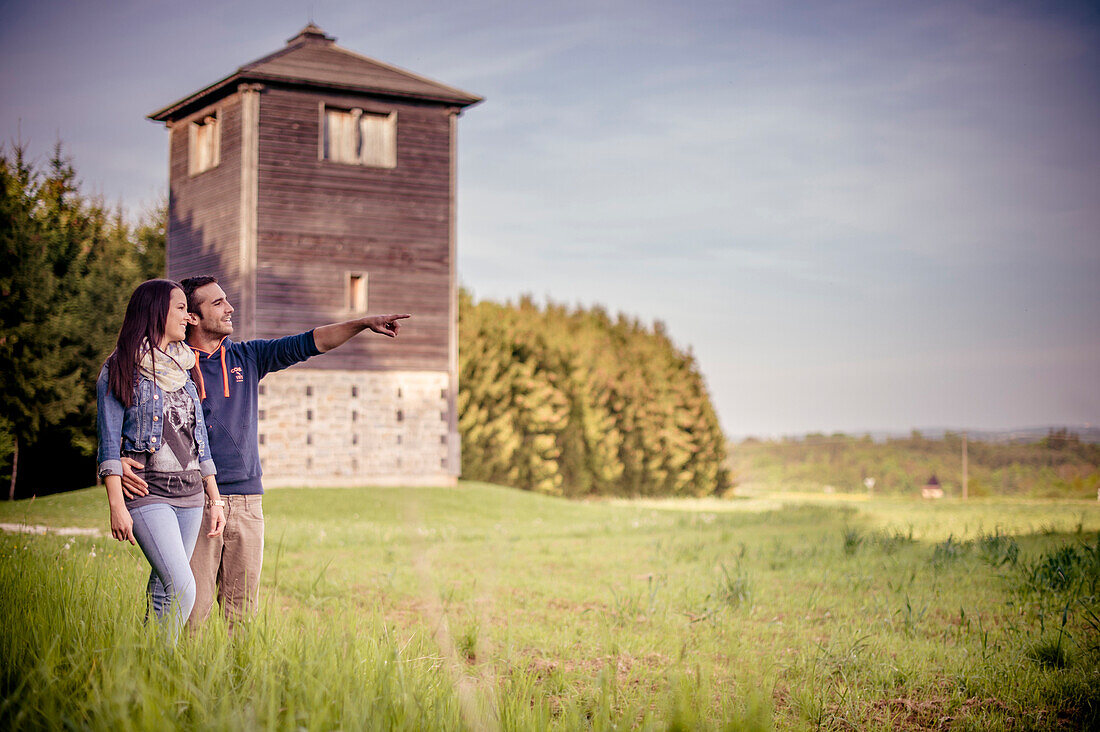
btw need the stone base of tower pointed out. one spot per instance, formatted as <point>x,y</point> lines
<point>348,428</point>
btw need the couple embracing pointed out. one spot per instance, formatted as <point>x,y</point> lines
<point>178,443</point>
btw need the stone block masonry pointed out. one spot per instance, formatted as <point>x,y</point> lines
<point>344,428</point>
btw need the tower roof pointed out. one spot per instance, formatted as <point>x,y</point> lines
<point>312,59</point>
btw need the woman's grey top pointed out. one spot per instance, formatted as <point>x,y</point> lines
<point>172,472</point>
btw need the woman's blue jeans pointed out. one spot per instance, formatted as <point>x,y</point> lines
<point>167,536</point>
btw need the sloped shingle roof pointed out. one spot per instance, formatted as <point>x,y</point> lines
<point>313,59</point>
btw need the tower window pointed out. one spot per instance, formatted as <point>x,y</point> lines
<point>359,138</point>
<point>357,292</point>
<point>203,144</point>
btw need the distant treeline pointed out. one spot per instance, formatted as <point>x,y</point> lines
<point>573,402</point>
<point>67,267</point>
<point>1059,465</point>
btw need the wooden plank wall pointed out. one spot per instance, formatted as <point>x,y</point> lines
<point>203,211</point>
<point>318,220</point>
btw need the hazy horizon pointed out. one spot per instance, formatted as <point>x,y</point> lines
<point>858,216</point>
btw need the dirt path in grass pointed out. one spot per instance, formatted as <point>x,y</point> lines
<point>40,529</point>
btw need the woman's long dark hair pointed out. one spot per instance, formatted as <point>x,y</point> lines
<point>145,317</point>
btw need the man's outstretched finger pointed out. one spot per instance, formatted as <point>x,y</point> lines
<point>392,326</point>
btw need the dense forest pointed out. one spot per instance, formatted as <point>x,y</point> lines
<point>1059,465</point>
<point>569,402</point>
<point>68,264</point>
<point>576,403</point>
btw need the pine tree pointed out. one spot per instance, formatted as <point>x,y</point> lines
<point>37,264</point>
<point>67,269</point>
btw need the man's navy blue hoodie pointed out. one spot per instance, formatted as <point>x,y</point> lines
<point>229,390</point>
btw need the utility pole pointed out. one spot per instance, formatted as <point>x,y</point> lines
<point>966,466</point>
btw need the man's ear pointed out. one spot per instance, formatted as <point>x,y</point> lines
<point>192,319</point>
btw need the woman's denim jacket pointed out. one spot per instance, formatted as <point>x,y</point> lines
<point>139,427</point>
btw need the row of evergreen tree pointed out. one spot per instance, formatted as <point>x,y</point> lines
<point>573,402</point>
<point>568,402</point>
<point>68,264</point>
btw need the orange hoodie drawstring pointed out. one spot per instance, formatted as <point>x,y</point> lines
<point>225,372</point>
<point>202,386</point>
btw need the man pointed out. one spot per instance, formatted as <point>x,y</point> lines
<point>228,566</point>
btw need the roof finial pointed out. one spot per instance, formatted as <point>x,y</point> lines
<point>311,33</point>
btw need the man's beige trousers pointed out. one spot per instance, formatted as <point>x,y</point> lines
<point>228,566</point>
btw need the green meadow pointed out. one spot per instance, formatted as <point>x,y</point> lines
<point>483,607</point>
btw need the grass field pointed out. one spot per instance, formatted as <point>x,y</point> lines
<point>485,608</point>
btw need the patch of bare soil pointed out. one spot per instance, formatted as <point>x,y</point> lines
<point>931,713</point>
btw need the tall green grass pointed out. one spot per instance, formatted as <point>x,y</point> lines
<point>486,608</point>
<point>76,654</point>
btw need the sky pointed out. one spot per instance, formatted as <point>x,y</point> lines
<point>857,215</point>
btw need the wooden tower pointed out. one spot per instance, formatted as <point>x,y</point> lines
<point>318,184</point>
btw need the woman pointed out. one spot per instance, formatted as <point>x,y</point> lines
<point>149,410</point>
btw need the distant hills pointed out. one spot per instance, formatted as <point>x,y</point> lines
<point>1038,462</point>
<point>1087,433</point>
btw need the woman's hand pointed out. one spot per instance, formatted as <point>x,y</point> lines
<point>217,521</point>
<point>122,524</point>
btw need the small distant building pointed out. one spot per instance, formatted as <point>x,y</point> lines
<point>318,184</point>
<point>932,489</point>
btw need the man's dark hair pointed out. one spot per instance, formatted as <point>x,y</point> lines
<point>190,285</point>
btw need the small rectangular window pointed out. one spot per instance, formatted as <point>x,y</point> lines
<point>357,292</point>
<point>204,144</point>
<point>359,138</point>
